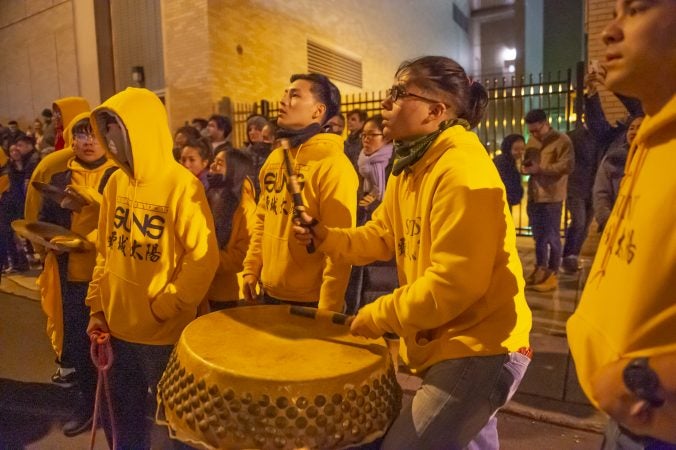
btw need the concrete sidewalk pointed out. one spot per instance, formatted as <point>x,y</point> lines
<point>548,405</point>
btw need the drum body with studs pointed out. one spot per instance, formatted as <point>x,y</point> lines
<point>258,377</point>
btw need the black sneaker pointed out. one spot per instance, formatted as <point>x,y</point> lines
<point>64,377</point>
<point>77,425</point>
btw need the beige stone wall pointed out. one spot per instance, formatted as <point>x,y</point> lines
<point>599,13</point>
<point>272,35</point>
<point>38,54</point>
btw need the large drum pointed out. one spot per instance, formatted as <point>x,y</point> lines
<point>259,377</point>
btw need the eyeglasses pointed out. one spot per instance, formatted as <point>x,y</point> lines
<point>84,136</point>
<point>370,135</point>
<point>398,91</point>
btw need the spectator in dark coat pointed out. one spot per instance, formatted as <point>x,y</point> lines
<point>507,163</point>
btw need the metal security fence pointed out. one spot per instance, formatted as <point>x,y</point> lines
<point>509,99</point>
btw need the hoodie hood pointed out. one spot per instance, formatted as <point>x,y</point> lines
<point>68,128</point>
<point>70,107</point>
<point>143,140</point>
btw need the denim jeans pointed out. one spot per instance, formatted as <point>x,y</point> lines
<point>581,214</point>
<point>617,438</point>
<point>545,221</point>
<point>456,405</point>
<point>136,370</point>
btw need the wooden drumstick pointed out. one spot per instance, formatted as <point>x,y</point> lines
<point>298,206</point>
<point>330,316</point>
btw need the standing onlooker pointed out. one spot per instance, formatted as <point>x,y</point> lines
<point>355,122</point>
<point>508,163</point>
<point>579,194</point>
<point>373,159</point>
<point>610,173</point>
<point>622,335</point>
<point>258,148</point>
<point>218,129</point>
<point>549,160</point>
<point>23,158</point>
<point>460,311</point>
<point>156,256</point>
<point>49,131</point>
<point>232,203</point>
<point>181,138</point>
<point>200,124</point>
<point>336,124</point>
<point>288,272</point>
<point>196,157</point>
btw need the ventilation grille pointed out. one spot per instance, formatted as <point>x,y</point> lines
<point>326,61</point>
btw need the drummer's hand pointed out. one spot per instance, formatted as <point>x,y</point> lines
<point>362,325</point>
<point>306,234</point>
<point>97,322</point>
<point>250,288</point>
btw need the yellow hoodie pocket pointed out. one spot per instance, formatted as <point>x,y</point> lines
<point>128,309</point>
<point>420,350</point>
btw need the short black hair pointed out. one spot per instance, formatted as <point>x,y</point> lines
<point>203,122</point>
<point>82,126</point>
<point>362,114</point>
<point>46,113</point>
<point>12,122</point>
<point>222,123</point>
<point>325,91</point>
<point>23,137</point>
<point>536,116</point>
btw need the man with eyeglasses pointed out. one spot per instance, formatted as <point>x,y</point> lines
<point>549,159</point>
<point>87,173</point>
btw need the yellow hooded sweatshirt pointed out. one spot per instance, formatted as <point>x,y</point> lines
<point>57,161</point>
<point>628,307</point>
<point>447,221</point>
<point>84,223</point>
<point>329,189</point>
<point>157,250</point>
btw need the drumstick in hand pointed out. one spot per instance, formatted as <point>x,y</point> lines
<point>298,206</point>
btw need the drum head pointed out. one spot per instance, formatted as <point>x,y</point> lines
<point>42,233</point>
<point>259,377</point>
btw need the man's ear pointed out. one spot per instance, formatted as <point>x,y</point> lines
<point>320,110</point>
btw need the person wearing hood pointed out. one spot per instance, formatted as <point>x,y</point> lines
<point>65,277</point>
<point>65,110</point>
<point>231,199</point>
<point>156,255</point>
<point>328,182</point>
<point>622,335</point>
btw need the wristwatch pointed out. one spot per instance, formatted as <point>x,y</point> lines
<point>643,381</point>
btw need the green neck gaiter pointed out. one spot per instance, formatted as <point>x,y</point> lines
<point>409,152</point>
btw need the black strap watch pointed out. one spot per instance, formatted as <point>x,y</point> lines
<point>643,381</point>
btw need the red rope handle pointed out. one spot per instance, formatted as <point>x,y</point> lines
<point>102,356</point>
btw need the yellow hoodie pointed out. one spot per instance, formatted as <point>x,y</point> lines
<point>56,161</point>
<point>628,307</point>
<point>329,189</point>
<point>448,223</point>
<point>157,250</point>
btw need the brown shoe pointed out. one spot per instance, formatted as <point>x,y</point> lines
<point>536,276</point>
<point>550,283</point>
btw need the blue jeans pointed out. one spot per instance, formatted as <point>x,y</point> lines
<point>456,405</point>
<point>545,221</point>
<point>136,370</point>
<point>617,438</point>
<point>581,214</point>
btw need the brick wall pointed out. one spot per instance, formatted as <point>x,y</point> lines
<point>599,13</point>
<point>38,54</point>
<point>272,36</point>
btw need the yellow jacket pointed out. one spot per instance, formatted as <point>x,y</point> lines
<point>156,250</point>
<point>448,223</point>
<point>225,286</point>
<point>329,189</point>
<point>71,107</point>
<point>628,307</point>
